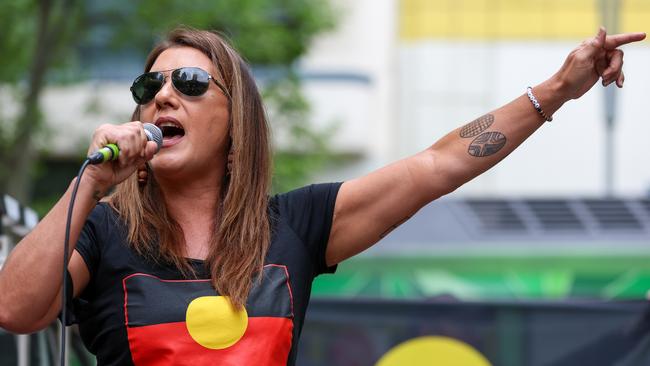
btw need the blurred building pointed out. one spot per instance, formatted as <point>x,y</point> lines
<point>399,74</point>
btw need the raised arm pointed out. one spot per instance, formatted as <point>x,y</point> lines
<point>368,208</point>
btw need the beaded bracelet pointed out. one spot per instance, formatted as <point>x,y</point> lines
<point>536,104</point>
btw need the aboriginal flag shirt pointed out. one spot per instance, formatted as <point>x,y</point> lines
<point>136,312</point>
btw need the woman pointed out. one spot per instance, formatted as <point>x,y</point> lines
<point>149,257</point>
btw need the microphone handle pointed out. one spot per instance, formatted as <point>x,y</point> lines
<point>109,152</point>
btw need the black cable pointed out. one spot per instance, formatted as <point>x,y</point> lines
<point>66,247</point>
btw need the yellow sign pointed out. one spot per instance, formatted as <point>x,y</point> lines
<point>433,350</point>
<point>513,19</point>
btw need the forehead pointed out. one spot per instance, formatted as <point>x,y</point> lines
<point>175,57</point>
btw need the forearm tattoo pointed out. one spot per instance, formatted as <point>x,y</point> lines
<point>382,235</point>
<point>486,144</point>
<point>477,126</point>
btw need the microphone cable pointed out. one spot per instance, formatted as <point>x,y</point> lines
<point>66,248</point>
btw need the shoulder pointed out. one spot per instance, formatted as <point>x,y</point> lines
<point>305,214</point>
<point>102,225</point>
<point>306,196</point>
<point>103,216</point>
<point>307,210</point>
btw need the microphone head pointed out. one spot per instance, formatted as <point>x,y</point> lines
<point>153,134</point>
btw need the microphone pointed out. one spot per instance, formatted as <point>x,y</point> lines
<point>110,152</point>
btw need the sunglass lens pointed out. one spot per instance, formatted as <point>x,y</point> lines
<point>146,86</point>
<point>191,81</point>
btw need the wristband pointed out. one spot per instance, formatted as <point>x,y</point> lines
<point>538,107</point>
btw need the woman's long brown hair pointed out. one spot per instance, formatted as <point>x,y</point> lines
<point>242,231</point>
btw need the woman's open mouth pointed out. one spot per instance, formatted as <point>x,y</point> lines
<point>172,131</point>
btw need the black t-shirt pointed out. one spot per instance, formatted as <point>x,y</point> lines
<point>137,312</point>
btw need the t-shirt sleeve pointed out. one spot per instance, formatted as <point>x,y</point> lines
<point>88,247</point>
<point>88,242</point>
<point>309,211</point>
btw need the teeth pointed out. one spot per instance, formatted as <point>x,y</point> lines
<point>169,124</point>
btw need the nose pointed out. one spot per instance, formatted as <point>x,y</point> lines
<point>166,96</point>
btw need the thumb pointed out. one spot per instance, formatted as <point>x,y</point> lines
<point>599,39</point>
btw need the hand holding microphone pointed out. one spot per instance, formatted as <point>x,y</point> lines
<point>123,147</point>
<point>111,152</point>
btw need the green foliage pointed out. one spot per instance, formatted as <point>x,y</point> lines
<point>268,32</point>
<point>38,37</point>
<point>17,42</point>
<point>17,39</point>
<point>29,26</point>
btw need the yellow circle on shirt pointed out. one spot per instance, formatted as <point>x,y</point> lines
<point>214,323</point>
<point>433,350</point>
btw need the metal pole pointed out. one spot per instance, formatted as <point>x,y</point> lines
<point>43,353</point>
<point>66,361</point>
<point>610,16</point>
<point>22,340</point>
<point>4,246</point>
<point>22,345</point>
<point>610,99</point>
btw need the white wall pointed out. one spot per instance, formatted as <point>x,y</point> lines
<point>73,112</point>
<point>363,44</point>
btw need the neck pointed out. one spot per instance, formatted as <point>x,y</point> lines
<point>192,199</point>
<point>193,204</point>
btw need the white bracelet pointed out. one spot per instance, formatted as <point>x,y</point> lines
<point>536,104</point>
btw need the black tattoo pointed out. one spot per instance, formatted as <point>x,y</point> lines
<point>486,144</point>
<point>382,235</point>
<point>477,126</point>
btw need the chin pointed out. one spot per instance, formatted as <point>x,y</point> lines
<point>166,164</point>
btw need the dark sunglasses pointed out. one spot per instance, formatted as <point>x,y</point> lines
<point>191,81</point>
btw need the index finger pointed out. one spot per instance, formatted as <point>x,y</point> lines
<point>615,40</point>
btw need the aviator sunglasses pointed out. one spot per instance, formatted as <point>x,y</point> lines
<point>190,81</point>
